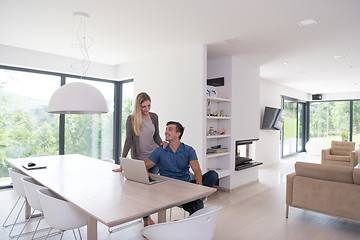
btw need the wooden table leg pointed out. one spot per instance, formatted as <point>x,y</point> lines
<point>162,216</point>
<point>91,228</point>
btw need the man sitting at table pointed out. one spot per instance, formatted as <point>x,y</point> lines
<point>174,162</point>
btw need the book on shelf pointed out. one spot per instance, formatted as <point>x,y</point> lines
<point>217,150</point>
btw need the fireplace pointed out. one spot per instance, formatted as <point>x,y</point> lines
<point>244,152</point>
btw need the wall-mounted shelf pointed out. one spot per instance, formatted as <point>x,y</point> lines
<point>222,173</point>
<point>217,136</point>
<point>218,99</point>
<point>214,155</point>
<point>218,118</point>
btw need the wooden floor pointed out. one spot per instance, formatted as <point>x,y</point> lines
<point>252,212</point>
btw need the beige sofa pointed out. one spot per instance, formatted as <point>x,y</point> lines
<point>329,189</point>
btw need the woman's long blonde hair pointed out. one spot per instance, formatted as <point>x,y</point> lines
<point>136,114</point>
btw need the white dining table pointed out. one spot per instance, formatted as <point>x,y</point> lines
<point>107,196</point>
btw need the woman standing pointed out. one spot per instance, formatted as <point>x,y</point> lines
<point>142,135</point>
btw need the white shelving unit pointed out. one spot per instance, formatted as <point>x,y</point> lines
<point>218,118</point>
<point>239,100</point>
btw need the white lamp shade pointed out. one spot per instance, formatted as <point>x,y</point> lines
<point>77,98</point>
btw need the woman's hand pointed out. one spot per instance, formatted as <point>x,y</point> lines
<point>164,144</point>
<point>118,169</point>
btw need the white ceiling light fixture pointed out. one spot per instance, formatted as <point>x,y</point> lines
<point>79,97</point>
<point>307,22</point>
<point>81,41</point>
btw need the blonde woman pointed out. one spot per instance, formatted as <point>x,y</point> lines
<point>142,135</point>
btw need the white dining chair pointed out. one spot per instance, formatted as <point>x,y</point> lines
<point>60,214</point>
<point>199,225</point>
<point>32,196</point>
<point>16,177</point>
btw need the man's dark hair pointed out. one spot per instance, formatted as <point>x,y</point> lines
<point>179,127</point>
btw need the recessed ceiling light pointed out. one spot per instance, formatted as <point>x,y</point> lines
<point>283,63</point>
<point>308,22</point>
<point>340,56</point>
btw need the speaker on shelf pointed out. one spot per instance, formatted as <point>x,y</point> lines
<point>216,82</point>
<point>316,96</point>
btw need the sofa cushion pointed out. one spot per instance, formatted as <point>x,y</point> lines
<point>338,158</point>
<point>335,198</point>
<point>356,175</point>
<point>342,148</point>
<point>325,172</point>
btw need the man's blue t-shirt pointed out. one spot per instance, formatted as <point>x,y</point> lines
<point>174,165</point>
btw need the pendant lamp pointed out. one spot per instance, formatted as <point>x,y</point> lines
<point>77,98</point>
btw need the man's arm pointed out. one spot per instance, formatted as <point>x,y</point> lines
<point>195,166</point>
<point>149,164</point>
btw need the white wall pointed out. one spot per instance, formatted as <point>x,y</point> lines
<point>245,100</point>
<point>245,111</point>
<point>268,147</point>
<point>18,57</point>
<point>175,82</point>
<point>341,96</point>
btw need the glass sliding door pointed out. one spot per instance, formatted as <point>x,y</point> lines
<point>356,123</point>
<point>290,128</point>
<point>330,121</point>
<point>301,127</point>
<point>26,128</point>
<point>91,134</point>
<point>294,125</point>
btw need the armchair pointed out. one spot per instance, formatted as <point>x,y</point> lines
<point>340,153</point>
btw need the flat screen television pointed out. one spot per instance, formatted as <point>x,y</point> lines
<point>273,118</point>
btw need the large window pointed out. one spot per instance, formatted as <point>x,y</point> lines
<point>330,121</point>
<point>127,107</point>
<point>91,134</point>
<point>356,122</point>
<point>26,128</point>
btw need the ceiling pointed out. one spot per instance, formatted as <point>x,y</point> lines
<point>262,32</point>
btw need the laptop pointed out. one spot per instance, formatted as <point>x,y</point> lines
<point>135,170</point>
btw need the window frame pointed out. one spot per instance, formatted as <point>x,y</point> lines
<point>118,86</point>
